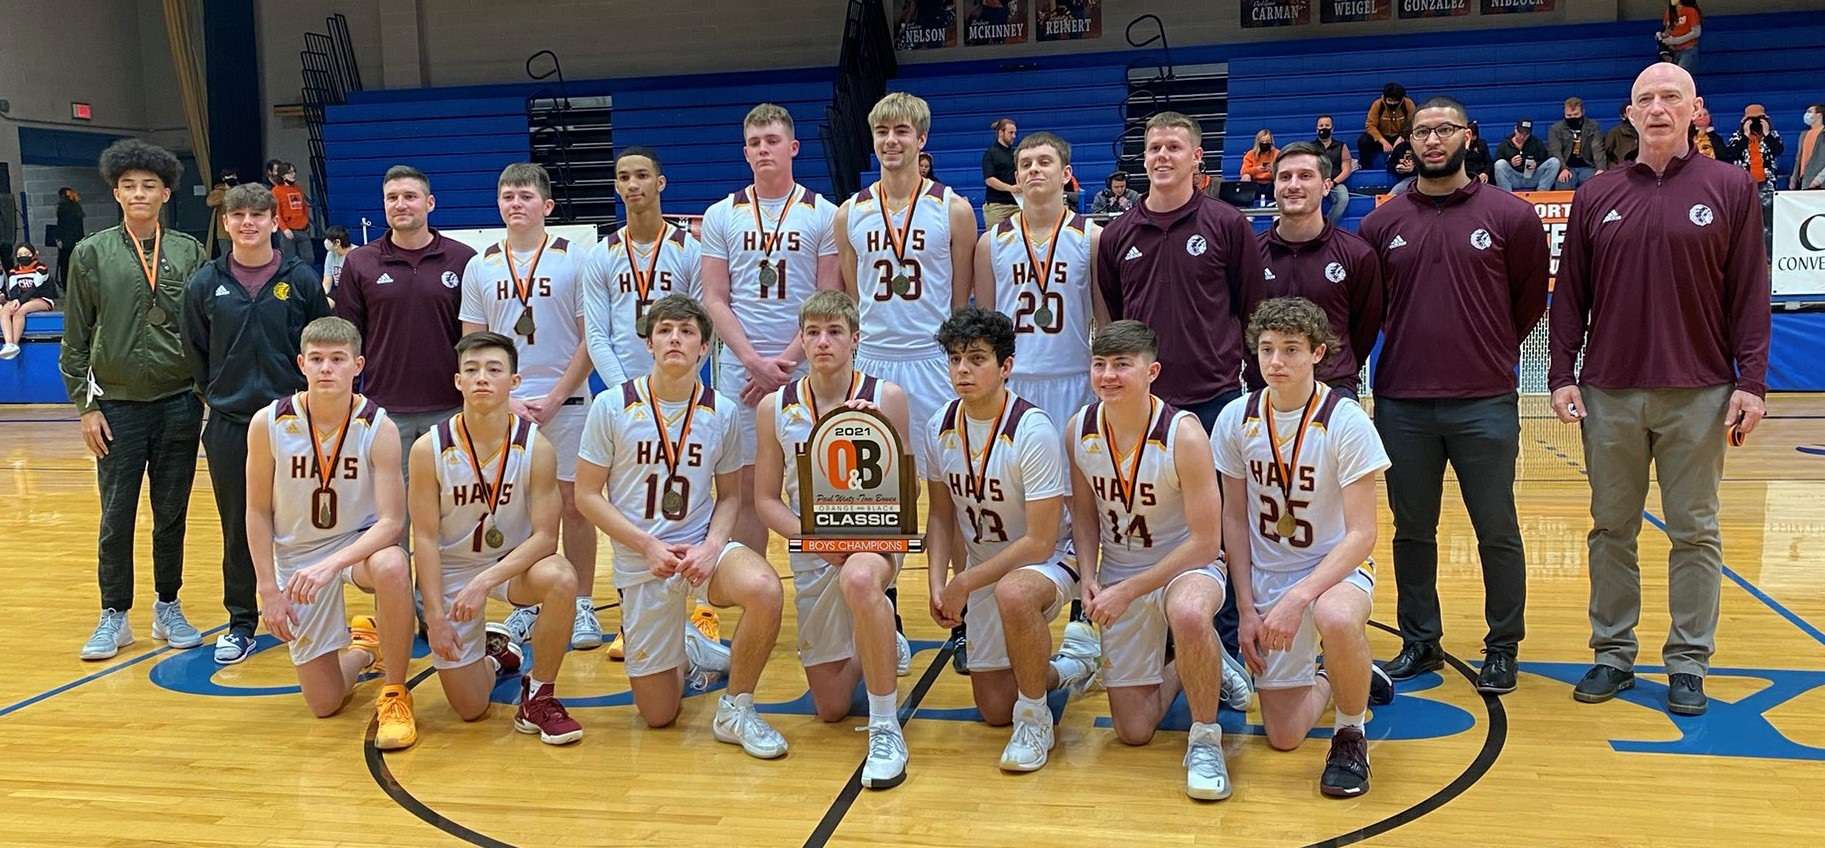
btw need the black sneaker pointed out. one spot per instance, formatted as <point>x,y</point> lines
<point>1497,674</point>
<point>1381,687</point>
<point>1413,659</point>
<point>1686,695</point>
<point>960,658</point>
<point>1602,683</point>
<point>1346,767</point>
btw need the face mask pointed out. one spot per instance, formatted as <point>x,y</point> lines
<point>1266,145</point>
<point>1575,123</point>
<point>329,245</point>
<point>1811,119</point>
<point>1324,133</point>
<point>22,260</point>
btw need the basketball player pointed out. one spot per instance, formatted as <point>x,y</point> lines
<point>527,288</point>
<point>665,447</point>
<point>1142,469</point>
<point>1298,461</point>
<point>845,623</point>
<point>484,504</point>
<point>332,515</point>
<point>908,250</point>
<point>766,248</point>
<point>1008,506</point>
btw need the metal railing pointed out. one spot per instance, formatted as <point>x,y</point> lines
<point>329,75</point>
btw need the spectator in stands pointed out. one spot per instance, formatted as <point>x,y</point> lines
<point>1755,147</point>
<point>1704,138</point>
<point>69,228</point>
<point>1404,166</point>
<point>1478,164</point>
<point>1342,166</point>
<point>1809,165</point>
<point>271,172</point>
<point>1390,117</point>
<point>336,245</point>
<point>1116,197</point>
<point>1621,142</point>
<point>1074,192</point>
<point>998,174</point>
<point>1679,31</point>
<point>294,216</point>
<point>1574,142</point>
<point>925,165</point>
<point>228,179</point>
<point>1521,161</point>
<point>1258,162</point>
<point>28,289</point>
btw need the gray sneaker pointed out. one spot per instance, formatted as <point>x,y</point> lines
<point>169,624</point>
<point>1237,687</point>
<point>519,623</point>
<point>1206,772</point>
<point>585,630</point>
<point>111,634</point>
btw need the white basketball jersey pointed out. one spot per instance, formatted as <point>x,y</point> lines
<point>900,325</point>
<point>792,420</point>
<point>555,296</point>
<point>298,529</point>
<point>613,304</point>
<point>1027,464</point>
<point>1134,538</point>
<point>1061,346</point>
<point>621,437</point>
<point>790,246</point>
<point>462,496</point>
<point>1340,447</point>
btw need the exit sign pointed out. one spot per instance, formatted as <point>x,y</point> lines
<point>81,111</point>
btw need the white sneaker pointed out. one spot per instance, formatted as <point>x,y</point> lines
<point>903,655</point>
<point>1074,675</point>
<point>1032,741</point>
<point>885,767</point>
<point>585,630</point>
<point>1238,689</point>
<point>1081,641</point>
<point>519,623</point>
<point>741,725</point>
<point>9,351</point>
<point>169,624</point>
<point>704,654</point>
<point>1206,773</point>
<point>112,633</point>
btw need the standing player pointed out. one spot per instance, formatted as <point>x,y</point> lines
<point>845,623</point>
<point>1012,502</point>
<point>325,505</point>
<point>635,266</point>
<point>1308,257</point>
<point>766,248</point>
<point>1139,470</point>
<point>665,449</point>
<point>484,503</point>
<point>1298,461</point>
<point>527,288</point>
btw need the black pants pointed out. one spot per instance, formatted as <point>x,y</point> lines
<point>1481,438</point>
<point>1207,413</point>
<point>1369,152</point>
<point>157,440</point>
<point>226,444</point>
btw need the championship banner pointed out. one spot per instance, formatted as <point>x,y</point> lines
<point>1273,13</point>
<point>858,487</point>
<point>1799,243</point>
<point>925,25</point>
<point>1555,211</point>
<point>1351,11</point>
<point>1433,8</point>
<point>1516,7</point>
<point>1066,20</point>
<point>996,22</point>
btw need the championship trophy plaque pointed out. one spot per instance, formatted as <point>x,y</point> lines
<point>857,488</point>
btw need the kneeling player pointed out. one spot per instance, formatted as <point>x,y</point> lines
<point>1298,460</point>
<point>1139,470</point>
<point>325,504</point>
<point>845,622</point>
<point>485,510</point>
<point>1018,575</point>
<point>666,448</point>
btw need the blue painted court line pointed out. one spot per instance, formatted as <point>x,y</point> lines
<point>1804,626</point>
<point>13,708</point>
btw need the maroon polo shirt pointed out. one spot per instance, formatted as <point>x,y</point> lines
<point>1667,274</point>
<point>1181,272</point>
<point>405,303</point>
<point>1465,278</point>
<point>1336,270</point>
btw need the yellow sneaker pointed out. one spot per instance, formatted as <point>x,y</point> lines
<point>707,622</point>
<point>617,650</point>
<point>364,633</point>
<point>397,728</point>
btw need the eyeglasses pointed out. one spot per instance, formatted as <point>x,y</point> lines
<point>1442,131</point>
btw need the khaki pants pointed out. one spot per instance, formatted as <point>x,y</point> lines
<point>1682,432</point>
<point>995,213</point>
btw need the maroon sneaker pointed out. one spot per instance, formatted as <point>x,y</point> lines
<point>541,713</point>
<point>498,643</point>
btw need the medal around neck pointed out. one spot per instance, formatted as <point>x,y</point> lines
<point>857,487</point>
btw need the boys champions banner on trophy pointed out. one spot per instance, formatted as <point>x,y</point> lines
<point>858,489</point>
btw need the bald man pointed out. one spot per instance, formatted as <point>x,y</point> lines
<point>1675,344</point>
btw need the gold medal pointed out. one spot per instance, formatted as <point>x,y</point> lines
<point>671,504</point>
<point>769,278</point>
<point>525,326</point>
<point>1043,317</point>
<point>522,288</point>
<point>494,537</point>
<point>156,315</point>
<point>1288,468</point>
<point>897,238</point>
<point>323,501</point>
<point>901,284</point>
<point>1285,526</point>
<point>1041,272</point>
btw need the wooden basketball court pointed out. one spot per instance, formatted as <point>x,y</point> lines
<point>158,747</point>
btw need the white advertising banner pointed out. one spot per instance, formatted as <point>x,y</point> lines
<point>1799,243</point>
